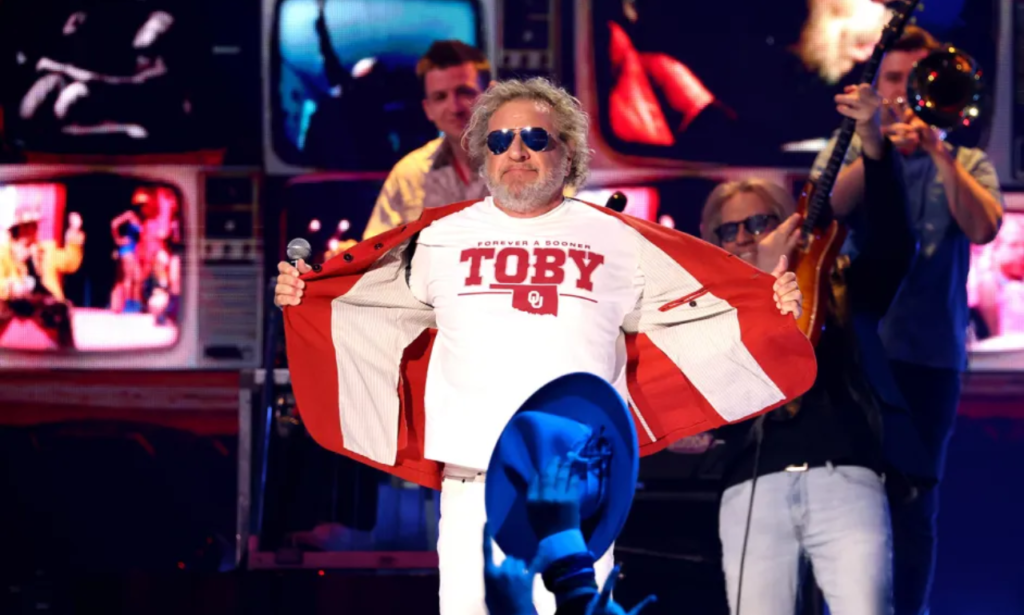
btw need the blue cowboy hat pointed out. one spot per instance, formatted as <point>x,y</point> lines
<point>580,413</point>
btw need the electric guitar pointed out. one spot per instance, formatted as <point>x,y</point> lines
<point>823,235</point>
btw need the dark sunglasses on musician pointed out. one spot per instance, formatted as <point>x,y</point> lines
<point>754,225</point>
<point>536,139</point>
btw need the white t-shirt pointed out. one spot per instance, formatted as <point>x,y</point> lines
<point>518,302</point>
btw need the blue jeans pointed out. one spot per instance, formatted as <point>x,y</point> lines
<point>835,517</point>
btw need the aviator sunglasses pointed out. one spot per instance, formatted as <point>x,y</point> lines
<point>755,225</point>
<point>537,139</point>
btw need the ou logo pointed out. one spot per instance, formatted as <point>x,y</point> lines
<point>536,299</point>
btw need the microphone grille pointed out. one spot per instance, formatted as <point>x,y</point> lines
<point>299,248</point>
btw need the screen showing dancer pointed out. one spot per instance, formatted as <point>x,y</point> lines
<point>90,263</point>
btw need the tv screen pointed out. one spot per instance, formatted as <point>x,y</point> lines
<point>131,77</point>
<point>748,82</point>
<point>329,212</point>
<point>343,87</point>
<point>90,263</point>
<point>995,294</point>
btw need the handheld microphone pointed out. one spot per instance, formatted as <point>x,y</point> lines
<point>617,202</point>
<point>299,249</point>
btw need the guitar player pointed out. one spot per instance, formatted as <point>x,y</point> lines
<point>953,199</point>
<point>810,485</point>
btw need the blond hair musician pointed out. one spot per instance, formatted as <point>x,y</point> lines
<point>806,484</point>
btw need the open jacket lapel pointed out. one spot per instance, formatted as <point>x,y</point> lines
<point>706,345</point>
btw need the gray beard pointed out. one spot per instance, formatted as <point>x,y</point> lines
<point>528,198</point>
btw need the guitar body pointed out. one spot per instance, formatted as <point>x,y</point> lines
<point>815,259</point>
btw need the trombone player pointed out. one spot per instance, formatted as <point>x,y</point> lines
<point>954,201</point>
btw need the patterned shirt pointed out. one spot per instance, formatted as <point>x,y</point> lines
<point>425,177</point>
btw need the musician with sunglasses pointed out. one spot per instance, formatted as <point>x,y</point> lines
<point>473,307</point>
<point>806,482</point>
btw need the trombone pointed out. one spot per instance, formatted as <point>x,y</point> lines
<point>944,89</point>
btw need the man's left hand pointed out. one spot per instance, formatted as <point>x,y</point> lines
<point>788,297</point>
<point>912,133</point>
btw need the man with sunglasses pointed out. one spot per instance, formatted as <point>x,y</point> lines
<point>470,309</point>
<point>816,467</point>
<point>453,75</point>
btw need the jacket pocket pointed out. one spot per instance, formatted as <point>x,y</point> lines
<point>671,305</point>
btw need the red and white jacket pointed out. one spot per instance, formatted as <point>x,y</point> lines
<point>706,346</point>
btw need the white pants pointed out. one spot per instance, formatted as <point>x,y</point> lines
<point>837,517</point>
<point>461,558</point>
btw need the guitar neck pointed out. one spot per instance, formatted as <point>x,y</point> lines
<point>821,198</point>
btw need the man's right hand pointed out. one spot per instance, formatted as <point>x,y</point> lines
<point>860,102</point>
<point>289,287</point>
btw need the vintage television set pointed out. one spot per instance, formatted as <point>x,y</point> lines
<point>148,267</point>
<point>162,81</point>
<point>339,84</point>
<point>675,88</point>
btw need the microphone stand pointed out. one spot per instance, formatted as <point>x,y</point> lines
<point>259,490</point>
<point>267,416</point>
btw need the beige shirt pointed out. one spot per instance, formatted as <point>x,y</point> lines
<point>426,177</point>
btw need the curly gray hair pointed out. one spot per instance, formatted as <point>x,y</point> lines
<point>571,122</point>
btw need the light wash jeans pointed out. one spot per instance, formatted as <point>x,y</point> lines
<point>835,517</point>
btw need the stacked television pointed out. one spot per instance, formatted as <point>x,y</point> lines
<point>130,185</point>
